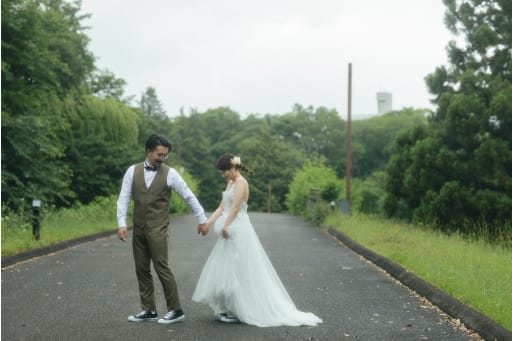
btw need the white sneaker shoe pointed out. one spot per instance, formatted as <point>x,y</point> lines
<point>228,318</point>
<point>172,317</point>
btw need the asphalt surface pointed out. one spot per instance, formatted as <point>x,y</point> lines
<point>86,292</point>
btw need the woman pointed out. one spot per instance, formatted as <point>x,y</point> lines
<point>238,280</point>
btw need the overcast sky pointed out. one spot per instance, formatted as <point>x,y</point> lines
<point>263,56</point>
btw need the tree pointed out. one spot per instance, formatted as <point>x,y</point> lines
<point>150,104</point>
<point>204,137</point>
<point>105,84</point>
<point>318,132</point>
<point>44,60</point>
<point>458,173</point>
<point>103,141</point>
<point>372,138</point>
<point>196,154</point>
<point>152,117</point>
<point>274,163</point>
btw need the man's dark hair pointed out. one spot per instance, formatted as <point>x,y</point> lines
<point>155,141</point>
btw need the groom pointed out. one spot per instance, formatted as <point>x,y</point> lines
<point>150,184</point>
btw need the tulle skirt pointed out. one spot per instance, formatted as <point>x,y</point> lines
<point>238,278</point>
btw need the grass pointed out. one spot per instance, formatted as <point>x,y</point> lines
<point>57,225</point>
<point>475,272</point>
<point>63,224</point>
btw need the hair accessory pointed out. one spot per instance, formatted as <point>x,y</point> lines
<point>236,160</point>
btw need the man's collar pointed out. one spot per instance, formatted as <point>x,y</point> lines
<point>148,167</point>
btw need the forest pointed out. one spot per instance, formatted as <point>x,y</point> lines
<point>69,130</point>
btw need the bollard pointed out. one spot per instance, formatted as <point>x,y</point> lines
<point>36,218</point>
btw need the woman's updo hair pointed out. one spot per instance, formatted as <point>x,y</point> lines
<point>227,161</point>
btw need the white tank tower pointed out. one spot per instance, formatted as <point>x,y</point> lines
<point>384,102</point>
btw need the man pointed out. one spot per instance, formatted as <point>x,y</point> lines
<point>150,184</point>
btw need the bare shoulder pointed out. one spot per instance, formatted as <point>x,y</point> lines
<point>242,180</point>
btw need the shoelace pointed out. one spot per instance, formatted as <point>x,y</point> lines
<point>142,313</point>
<point>169,315</point>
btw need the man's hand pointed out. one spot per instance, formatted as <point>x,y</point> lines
<point>121,232</point>
<point>202,229</point>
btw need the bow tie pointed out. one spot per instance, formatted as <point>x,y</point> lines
<point>151,168</point>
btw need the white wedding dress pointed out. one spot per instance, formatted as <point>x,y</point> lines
<point>239,279</point>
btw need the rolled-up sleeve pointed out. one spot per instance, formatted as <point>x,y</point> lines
<point>176,182</point>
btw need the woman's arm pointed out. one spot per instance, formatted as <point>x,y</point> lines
<point>216,214</point>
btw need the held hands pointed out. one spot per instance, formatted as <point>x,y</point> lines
<point>202,229</point>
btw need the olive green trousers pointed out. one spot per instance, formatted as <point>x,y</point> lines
<point>150,244</point>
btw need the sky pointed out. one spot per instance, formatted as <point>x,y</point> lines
<point>264,56</point>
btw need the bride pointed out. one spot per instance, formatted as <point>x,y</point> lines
<point>238,280</point>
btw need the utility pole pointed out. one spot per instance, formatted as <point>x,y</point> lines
<point>349,135</point>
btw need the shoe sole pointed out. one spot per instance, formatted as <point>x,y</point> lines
<point>152,319</point>
<point>178,319</point>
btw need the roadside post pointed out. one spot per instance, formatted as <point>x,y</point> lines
<point>36,218</point>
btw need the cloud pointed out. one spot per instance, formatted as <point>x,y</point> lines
<point>264,56</point>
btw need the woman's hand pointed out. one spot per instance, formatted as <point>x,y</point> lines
<point>225,234</point>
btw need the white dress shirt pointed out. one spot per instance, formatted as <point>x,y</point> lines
<point>174,181</point>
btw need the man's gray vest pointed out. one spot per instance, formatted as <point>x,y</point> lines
<point>151,205</point>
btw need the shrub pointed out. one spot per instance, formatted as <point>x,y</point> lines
<point>319,212</point>
<point>317,178</point>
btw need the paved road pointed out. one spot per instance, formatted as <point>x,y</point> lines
<point>87,292</point>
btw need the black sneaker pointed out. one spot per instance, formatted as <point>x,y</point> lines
<point>172,317</point>
<point>228,318</point>
<point>145,315</point>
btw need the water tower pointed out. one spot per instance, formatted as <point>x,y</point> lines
<point>384,102</point>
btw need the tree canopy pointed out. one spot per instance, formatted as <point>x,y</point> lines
<point>44,61</point>
<point>456,173</point>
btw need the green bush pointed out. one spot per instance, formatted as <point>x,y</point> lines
<point>330,192</point>
<point>314,187</point>
<point>317,179</point>
<point>458,208</point>
<point>367,195</point>
<point>21,220</point>
<point>319,212</point>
